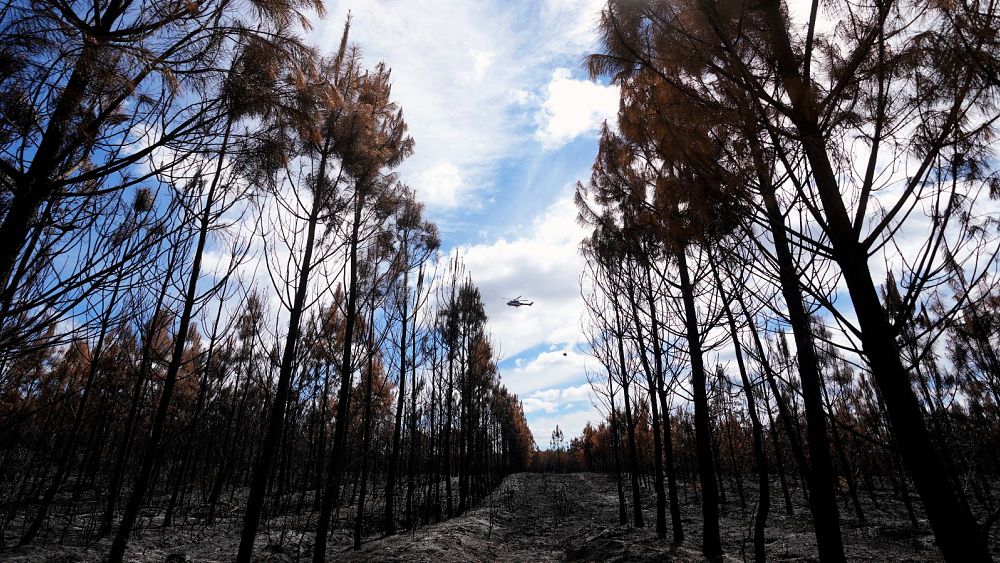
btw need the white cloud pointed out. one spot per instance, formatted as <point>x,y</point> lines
<point>542,378</point>
<point>440,185</point>
<point>573,107</point>
<point>570,25</point>
<point>468,76</point>
<point>547,394</point>
<point>551,400</point>
<point>481,62</point>
<point>543,265</point>
<point>521,97</point>
<point>448,78</point>
<point>580,393</point>
<point>534,404</point>
<point>477,88</point>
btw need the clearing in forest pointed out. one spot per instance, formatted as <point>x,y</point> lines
<point>573,516</point>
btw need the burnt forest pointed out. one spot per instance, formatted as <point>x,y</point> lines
<point>259,260</point>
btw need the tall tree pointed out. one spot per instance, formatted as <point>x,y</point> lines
<point>378,144</point>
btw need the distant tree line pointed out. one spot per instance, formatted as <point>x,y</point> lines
<point>158,160</point>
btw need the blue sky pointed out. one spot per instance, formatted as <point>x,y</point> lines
<point>505,123</point>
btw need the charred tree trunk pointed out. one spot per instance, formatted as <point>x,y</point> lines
<point>955,528</point>
<point>70,446</point>
<point>152,452</point>
<point>359,523</point>
<point>276,420</point>
<point>651,382</point>
<point>633,456</point>
<point>389,515</point>
<point>760,456</point>
<point>331,497</point>
<point>711,541</point>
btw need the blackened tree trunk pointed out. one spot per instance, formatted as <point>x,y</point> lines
<point>668,447</point>
<point>366,423</point>
<point>331,497</point>
<point>389,515</point>
<point>448,421</point>
<point>819,477</point>
<point>779,458</point>
<point>276,419</point>
<point>414,436</point>
<point>69,447</point>
<point>142,374</point>
<point>617,449</point>
<point>661,393</point>
<point>651,383</point>
<point>711,545</point>
<point>152,451</point>
<point>757,429</point>
<point>955,528</point>
<point>633,457</point>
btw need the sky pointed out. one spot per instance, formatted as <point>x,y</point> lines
<point>505,122</point>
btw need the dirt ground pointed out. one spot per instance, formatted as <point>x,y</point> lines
<point>530,517</point>
<point>559,517</point>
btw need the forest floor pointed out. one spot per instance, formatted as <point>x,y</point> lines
<point>530,517</point>
<point>560,517</point>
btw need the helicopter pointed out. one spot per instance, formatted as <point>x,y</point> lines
<point>517,302</point>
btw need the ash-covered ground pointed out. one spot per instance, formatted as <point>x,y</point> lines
<point>559,517</point>
<point>530,517</point>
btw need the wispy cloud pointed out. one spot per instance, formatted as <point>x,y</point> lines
<point>496,99</point>
<point>472,78</point>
